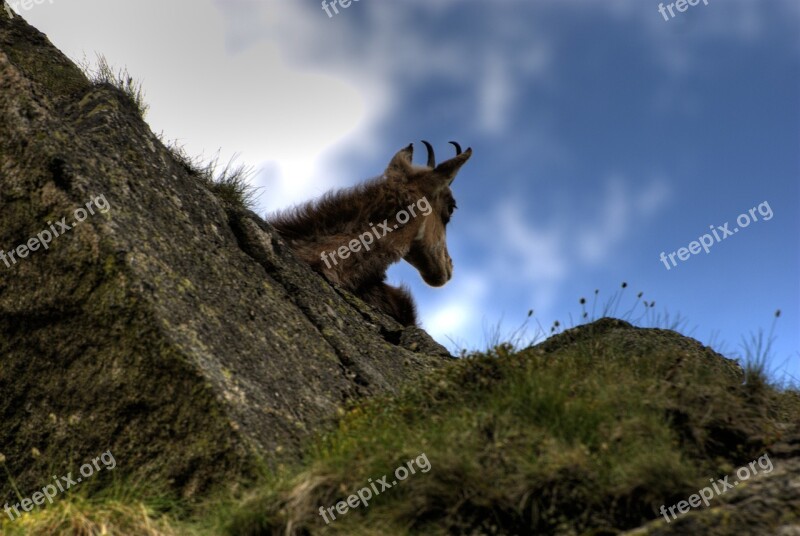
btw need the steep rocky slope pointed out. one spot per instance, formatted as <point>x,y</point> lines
<point>169,327</point>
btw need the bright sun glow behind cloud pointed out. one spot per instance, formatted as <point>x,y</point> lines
<point>248,103</point>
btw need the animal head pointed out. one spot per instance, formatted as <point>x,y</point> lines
<point>431,183</point>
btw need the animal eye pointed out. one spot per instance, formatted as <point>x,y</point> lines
<point>450,209</point>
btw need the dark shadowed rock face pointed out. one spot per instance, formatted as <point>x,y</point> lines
<point>174,330</point>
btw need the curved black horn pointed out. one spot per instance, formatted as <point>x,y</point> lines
<point>431,155</point>
<point>457,146</point>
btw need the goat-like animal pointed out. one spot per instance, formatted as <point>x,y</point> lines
<point>352,236</point>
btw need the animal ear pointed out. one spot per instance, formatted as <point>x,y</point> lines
<point>447,170</point>
<point>401,161</point>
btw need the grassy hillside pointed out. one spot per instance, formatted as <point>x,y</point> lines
<point>587,433</point>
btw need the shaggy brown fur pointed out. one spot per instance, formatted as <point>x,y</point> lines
<point>332,234</point>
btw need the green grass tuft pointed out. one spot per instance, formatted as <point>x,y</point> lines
<point>230,183</point>
<point>121,509</point>
<point>101,73</point>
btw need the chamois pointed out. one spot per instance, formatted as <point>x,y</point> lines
<point>352,236</point>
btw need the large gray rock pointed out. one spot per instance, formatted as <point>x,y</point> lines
<point>172,329</point>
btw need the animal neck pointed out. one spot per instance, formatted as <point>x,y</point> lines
<point>350,235</point>
<point>346,214</point>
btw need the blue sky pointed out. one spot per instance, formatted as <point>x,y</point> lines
<point>603,135</point>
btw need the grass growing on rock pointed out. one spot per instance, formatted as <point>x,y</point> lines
<point>229,182</point>
<point>589,436</point>
<point>591,430</point>
<point>102,73</point>
<point>123,509</point>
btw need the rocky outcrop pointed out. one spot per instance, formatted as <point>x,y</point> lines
<point>766,504</point>
<point>700,379</point>
<point>634,342</point>
<point>169,327</point>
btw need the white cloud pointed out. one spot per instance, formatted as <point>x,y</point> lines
<point>458,306</point>
<point>536,254</point>
<point>655,196</point>
<point>620,213</point>
<point>285,86</point>
<point>675,42</point>
<point>496,94</point>
<point>210,96</point>
<point>544,254</point>
<point>597,238</point>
